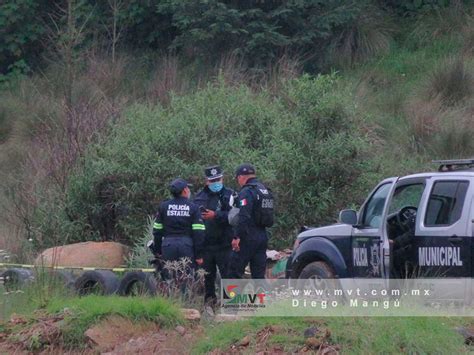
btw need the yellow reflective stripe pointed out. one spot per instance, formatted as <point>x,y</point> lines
<point>198,227</point>
<point>158,226</point>
<point>148,270</point>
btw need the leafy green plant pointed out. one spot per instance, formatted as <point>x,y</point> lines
<point>140,255</point>
<point>20,31</point>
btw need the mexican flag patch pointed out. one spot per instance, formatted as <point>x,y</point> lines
<point>243,202</point>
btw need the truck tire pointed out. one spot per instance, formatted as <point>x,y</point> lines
<point>319,276</point>
<point>102,282</point>
<point>136,283</point>
<point>15,278</point>
<point>317,269</point>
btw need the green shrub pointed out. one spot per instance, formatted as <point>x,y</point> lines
<point>306,145</point>
<point>141,255</point>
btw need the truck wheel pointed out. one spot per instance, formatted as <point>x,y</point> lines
<point>318,276</point>
<point>13,279</point>
<point>137,283</point>
<point>102,282</point>
<point>317,269</point>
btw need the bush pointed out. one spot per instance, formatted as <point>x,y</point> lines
<point>435,23</point>
<point>141,255</point>
<point>370,34</point>
<point>451,82</point>
<point>442,132</point>
<point>440,114</point>
<point>305,144</point>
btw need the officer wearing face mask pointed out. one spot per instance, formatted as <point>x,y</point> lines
<point>179,229</point>
<point>214,204</point>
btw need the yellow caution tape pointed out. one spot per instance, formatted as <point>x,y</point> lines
<point>85,268</point>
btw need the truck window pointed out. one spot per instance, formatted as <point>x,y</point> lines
<point>374,207</point>
<point>445,203</point>
<point>406,195</point>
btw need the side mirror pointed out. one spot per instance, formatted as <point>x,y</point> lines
<point>348,217</point>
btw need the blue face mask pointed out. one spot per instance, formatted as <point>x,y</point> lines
<point>216,186</point>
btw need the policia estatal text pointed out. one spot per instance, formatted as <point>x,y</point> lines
<point>178,230</point>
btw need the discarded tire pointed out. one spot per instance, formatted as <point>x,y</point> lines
<point>14,279</point>
<point>136,283</point>
<point>100,282</point>
<point>64,277</point>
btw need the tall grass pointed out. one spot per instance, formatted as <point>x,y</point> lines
<point>370,35</point>
<point>35,294</point>
<point>451,82</point>
<point>451,21</point>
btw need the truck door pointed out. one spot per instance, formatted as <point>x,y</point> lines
<point>442,243</point>
<point>400,226</point>
<point>367,252</point>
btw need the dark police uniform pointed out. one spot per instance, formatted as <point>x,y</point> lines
<point>218,235</point>
<point>179,229</point>
<point>253,238</point>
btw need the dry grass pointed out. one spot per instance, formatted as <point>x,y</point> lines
<point>232,70</point>
<point>441,111</point>
<point>370,35</point>
<point>167,80</point>
<point>444,132</point>
<point>468,41</point>
<point>451,83</point>
<point>450,21</point>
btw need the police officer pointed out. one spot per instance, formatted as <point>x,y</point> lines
<point>214,203</point>
<point>250,241</point>
<point>179,229</point>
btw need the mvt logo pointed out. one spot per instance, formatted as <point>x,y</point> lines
<point>234,299</point>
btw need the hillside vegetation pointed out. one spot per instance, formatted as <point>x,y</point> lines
<point>92,129</point>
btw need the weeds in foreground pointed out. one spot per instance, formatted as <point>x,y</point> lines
<point>86,311</point>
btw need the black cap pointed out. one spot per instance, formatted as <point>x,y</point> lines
<point>213,172</point>
<point>178,185</point>
<point>245,169</point>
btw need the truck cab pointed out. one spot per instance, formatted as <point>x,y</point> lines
<point>419,225</point>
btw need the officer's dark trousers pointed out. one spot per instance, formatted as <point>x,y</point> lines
<point>175,248</point>
<point>214,258</point>
<point>253,251</point>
